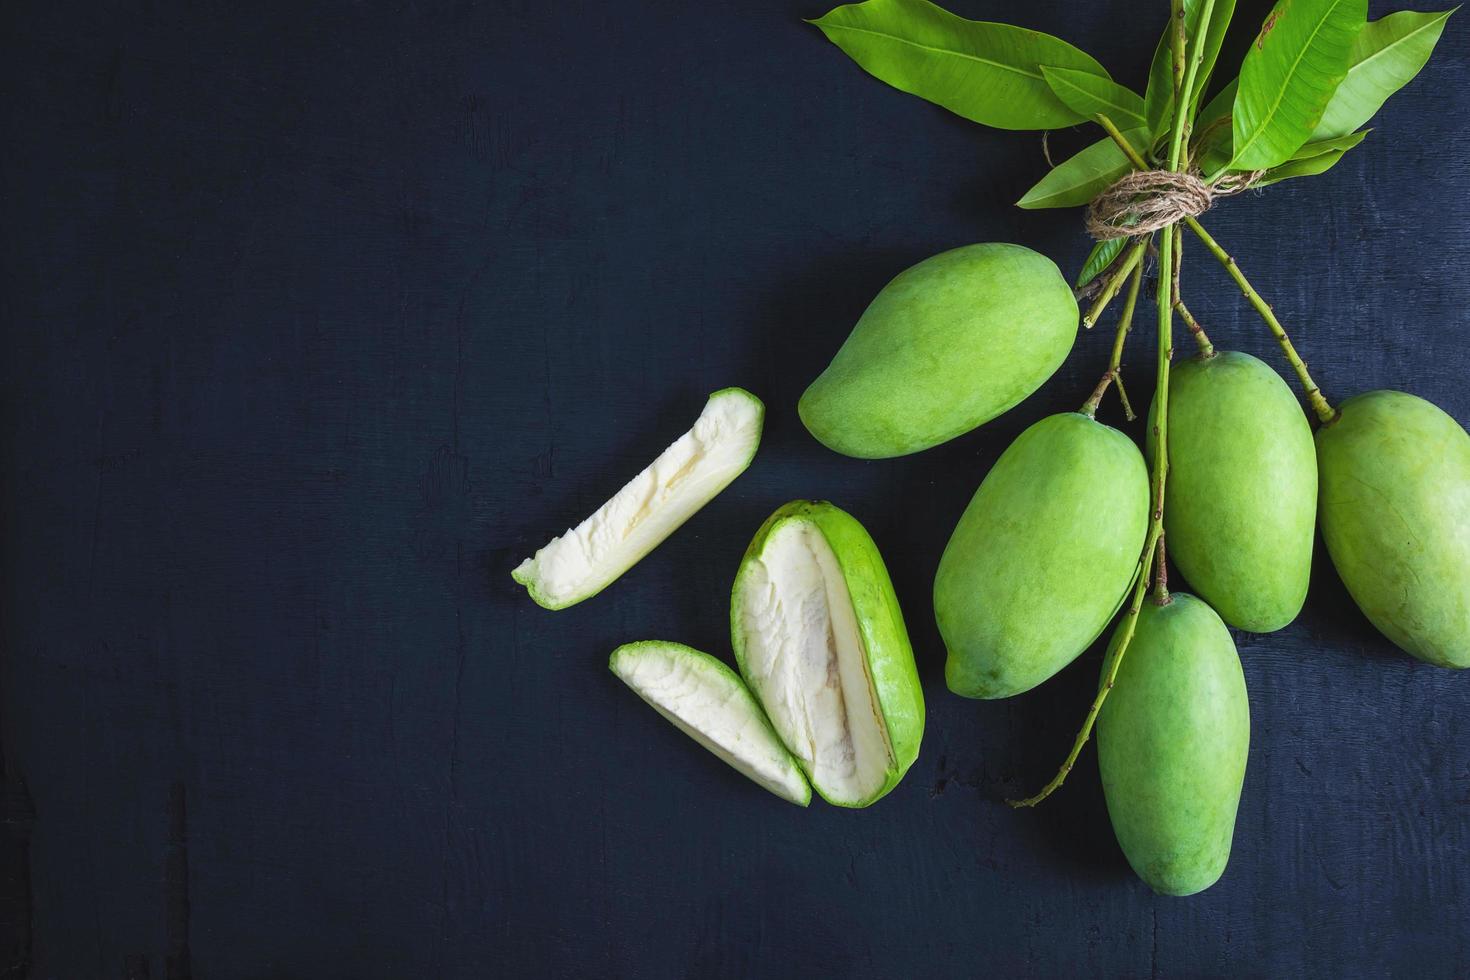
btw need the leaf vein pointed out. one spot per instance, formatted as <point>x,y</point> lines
<point>929,47</point>
<point>1276,105</point>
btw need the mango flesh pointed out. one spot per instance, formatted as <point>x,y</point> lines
<point>947,345</point>
<point>1242,500</point>
<point>819,637</point>
<point>1041,557</point>
<point>1172,740</point>
<point>1394,507</point>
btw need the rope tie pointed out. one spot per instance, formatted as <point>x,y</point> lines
<point>1146,200</point>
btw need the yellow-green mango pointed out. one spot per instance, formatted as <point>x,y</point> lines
<point>1172,740</point>
<point>948,344</point>
<point>1394,506</point>
<point>1041,557</point>
<point>1242,500</point>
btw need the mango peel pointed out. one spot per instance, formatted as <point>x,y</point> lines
<point>949,344</point>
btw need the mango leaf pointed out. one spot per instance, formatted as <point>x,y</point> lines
<point>1219,107</point>
<point>988,73</point>
<point>1092,95</point>
<point>1288,77</point>
<point>1385,56</point>
<point>1159,96</point>
<point>1318,147</point>
<point>1212,131</point>
<point>1102,255</point>
<point>1309,167</point>
<point>1081,177</point>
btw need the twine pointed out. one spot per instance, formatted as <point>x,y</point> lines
<point>1145,201</point>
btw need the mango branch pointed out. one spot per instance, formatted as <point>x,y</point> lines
<point>1111,128</point>
<point>1131,258</point>
<point>1320,406</point>
<point>1151,542</point>
<point>1161,572</point>
<point>1183,97</point>
<point>1089,407</point>
<point>1125,636</point>
<point>1125,324</point>
<point>1177,42</point>
<point>1201,338</point>
<point>1198,332</point>
<point>1324,411</point>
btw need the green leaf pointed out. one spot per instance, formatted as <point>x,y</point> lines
<point>1308,167</point>
<point>1081,177</point>
<point>1385,56</point>
<point>989,73</point>
<point>1219,107</point>
<point>1092,95</point>
<point>1102,255</point>
<point>1212,131</point>
<point>1318,147</point>
<point>1288,77</point>
<point>1159,96</point>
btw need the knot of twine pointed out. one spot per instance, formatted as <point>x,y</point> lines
<point>1146,200</point>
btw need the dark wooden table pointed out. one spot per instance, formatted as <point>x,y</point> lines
<point>318,317</point>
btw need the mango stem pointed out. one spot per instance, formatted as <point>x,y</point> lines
<point>1201,338</point>
<point>1326,414</point>
<point>1125,324</point>
<point>1155,529</point>
<point>1089,407</point>
<point>1184,86</point>
<point>1161,573</point>
<point>1131,258</point>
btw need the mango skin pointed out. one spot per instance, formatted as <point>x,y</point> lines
<point>949,344</point>
<point>1172,741</point>
<point>1241,508</point>
<point>1394,507</point>
<point>1041,557</point>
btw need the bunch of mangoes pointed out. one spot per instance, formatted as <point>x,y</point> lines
<point>1043,557</point>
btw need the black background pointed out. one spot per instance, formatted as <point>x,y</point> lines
<point>319,317</point>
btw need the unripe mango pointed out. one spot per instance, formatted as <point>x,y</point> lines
<point>820,639</point>
<point>948,344</point>
<point>1395,513</point>
<point>1172,740</point>
<point>1041,557</point>
<point>1242,500</point>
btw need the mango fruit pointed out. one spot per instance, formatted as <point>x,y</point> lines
<point>820,639</point>
<point>706,701</point>
<point>1172,740</point>
<point>1241,508</point>
<point>949,344</point>
<point>1042,556</point>
<point>1394,507</point>
<point>687,475</point>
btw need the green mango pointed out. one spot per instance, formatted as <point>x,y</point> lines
<point>821,642</point>
<point>1242,500</point>
<point>948,344</point>
<point>1042,556</point>
<point>1394,506</point>
<point>1172,740</point>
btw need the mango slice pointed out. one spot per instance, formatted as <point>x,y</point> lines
<point>819,637</point>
